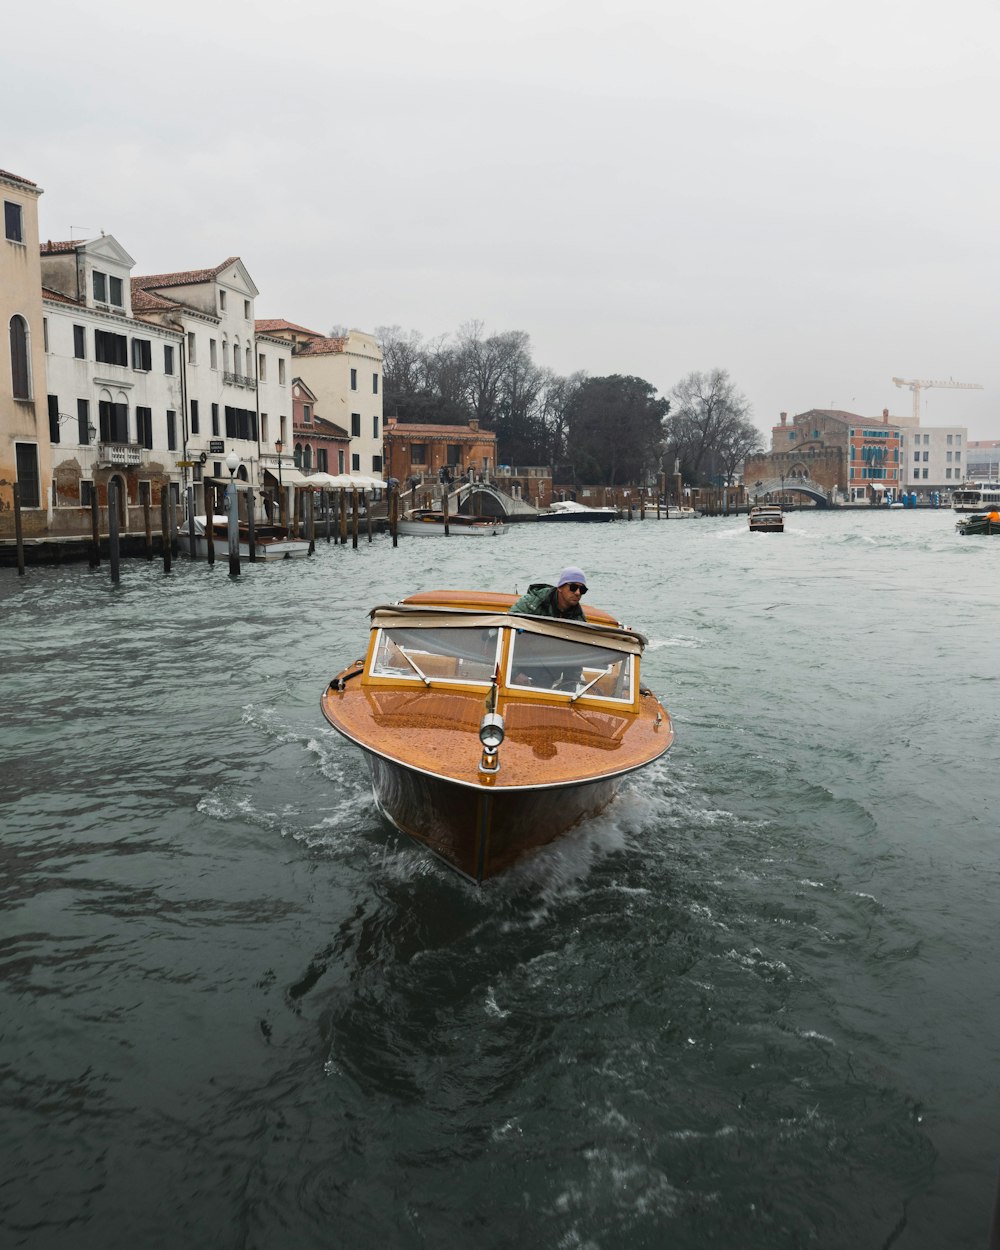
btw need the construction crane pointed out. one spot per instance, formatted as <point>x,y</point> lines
<point>916,386</point>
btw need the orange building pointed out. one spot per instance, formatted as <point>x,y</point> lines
<point>424,451</point>
<point>874,468</point>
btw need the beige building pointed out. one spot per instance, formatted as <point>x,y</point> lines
<point>24,444</point>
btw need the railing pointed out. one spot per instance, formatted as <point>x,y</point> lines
<point>123,454</point>
<point>239,379</point>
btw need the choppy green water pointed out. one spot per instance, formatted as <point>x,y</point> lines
<point>753,1004</point>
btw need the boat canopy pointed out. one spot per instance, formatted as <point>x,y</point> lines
<point>417,616</point>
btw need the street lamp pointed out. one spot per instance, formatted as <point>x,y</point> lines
<point>278,447</point>
<point>232,464</point>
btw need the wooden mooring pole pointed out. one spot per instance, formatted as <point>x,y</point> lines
<point>113,529</point>
<point>354,517</point>
<point>192,537</point>
<point>394,514</point>
<point>18,531</point>
<point>251,527</point>
<point>165,527</point>
<point>95,529</point>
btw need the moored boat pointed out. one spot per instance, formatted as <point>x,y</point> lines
<point>271,542</point>
<point>766,519</point>
<point>979,523</point>
<point>570,510</point>
<point>976,495</point>
<point>488,734</point>
<point>427,522</point>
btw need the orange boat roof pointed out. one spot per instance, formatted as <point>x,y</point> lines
<point>494,601</point>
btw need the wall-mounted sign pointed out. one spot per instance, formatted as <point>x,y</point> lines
<point>216,446</point>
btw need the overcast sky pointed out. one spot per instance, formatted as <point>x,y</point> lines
<point>803,193</point>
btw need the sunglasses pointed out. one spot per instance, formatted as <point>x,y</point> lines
<point>576,587</point>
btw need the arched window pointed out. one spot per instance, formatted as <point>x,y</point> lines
<point>225,355</point>
<point>298,455</point>
<point>307,458</point>
<point>20,368</point>
<point>249,367</point>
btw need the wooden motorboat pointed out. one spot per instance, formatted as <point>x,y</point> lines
<point>766,519</point>
<point>570,510</point>
<point>979,523</point>
<point>425,522</point>
<point>271,542</point>
<point>489,734</point>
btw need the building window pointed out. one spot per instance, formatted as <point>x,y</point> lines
<point>262,366</point>
<point>355,425</point>
<point>53,418</point>
<point>418,453</point>
<point>916,456</point>
<point>927,456</point>
<point>195,421</point>
<point>144,426</point>
<point>297,456</point>
<point>27,474</point>
<point>340,459</point>
<point>264,428</point>
<point>145,492</point>
<point>454,454</point>
<point>171,431</point>
<point>168,359</point>
<point>19,367</point>
<point>13,222</point>
<point>45,335</point>
<point>281,371</point>
<point>307,415</point>
<point>107,290</point>
<point>142,355</point>
<point>307,458</point>
<point>376,464</point>
<point>110,349</point>
<point>374,427</point>
<point>355,462</point>
<point>113,420</point>
<point>215,422</point>
<point>322,460</point>
<point>354,379</point>
<point>374,383</point>
<point>222,301</point>
<point>83,422</point>
<point>192,349</point>
<point>958,457</point>
<point>213,354</point>
<point>246,310</point>
<point>80,342</point>
<point>947,473</point>
<point>86,492</point>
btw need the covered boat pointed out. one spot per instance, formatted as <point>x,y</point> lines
<point>426,522</point>
<point>271,542</point>
<point>487,733</point>
<point>979,523</point>
<point>766,518</point>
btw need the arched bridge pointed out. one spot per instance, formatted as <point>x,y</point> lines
<point>485,499</point>
<point>775,486</point>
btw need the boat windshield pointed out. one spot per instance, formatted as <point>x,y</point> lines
<point>437,655</point>
<point>538,662</point>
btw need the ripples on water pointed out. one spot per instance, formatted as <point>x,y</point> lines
<point>749,1005</point>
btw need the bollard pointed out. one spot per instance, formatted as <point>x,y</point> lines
<point>113,529</point>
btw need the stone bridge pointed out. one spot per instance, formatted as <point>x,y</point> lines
<point>774,486</point>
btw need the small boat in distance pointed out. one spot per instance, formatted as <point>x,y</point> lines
<point>979,523</point>
<point>570,510</point>
<point>766,518</point>
<point>488,734</point>
<point>271,542</point>
<point>684,513</point>
<point>427,522</point>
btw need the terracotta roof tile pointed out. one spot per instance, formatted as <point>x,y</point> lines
<point>277,323</point>
<point>188,277</point>
<point>4,173</point>
<point>408,428</point>
<point>330,429</point>
<point>56,249</point>
<point>149,301</point>
<point>59,297</point>
<point>322,347</point>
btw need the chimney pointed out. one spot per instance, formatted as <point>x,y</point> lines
<point>474,423</point>
<point>885,416</point>
<point>784,418</point>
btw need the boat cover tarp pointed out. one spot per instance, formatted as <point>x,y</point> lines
<point>416,616</point>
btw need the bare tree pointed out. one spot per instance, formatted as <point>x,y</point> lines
<point>709,429</point>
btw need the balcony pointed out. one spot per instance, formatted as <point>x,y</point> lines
<point>121,455</point>
<point>239,379</point>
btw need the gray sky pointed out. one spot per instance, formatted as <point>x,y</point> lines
<point>802,193</point>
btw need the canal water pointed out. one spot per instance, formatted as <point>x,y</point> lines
<point>753,1004</point>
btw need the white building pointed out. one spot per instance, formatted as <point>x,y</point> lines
<point>344,374</point>
<point>226,399</point>
<point>114,391</point>
<point>933,457</point>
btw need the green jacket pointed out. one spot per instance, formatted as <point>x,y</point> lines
<point>541,599</point>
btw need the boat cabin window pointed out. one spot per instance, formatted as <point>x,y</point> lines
<point>456,655</point>
<point>538,662</point>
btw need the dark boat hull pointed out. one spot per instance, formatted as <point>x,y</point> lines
<point>481,831</point>
<point>583,518</point>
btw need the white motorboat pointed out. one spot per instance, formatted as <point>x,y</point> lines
<point>271,542</point>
